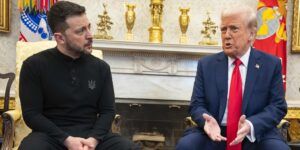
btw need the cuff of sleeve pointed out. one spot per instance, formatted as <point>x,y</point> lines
<point>198,119</point>
<point>62,138</point>
<point>250,135</point>
<point>97,137</point>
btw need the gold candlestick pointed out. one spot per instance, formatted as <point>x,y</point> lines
<point>184,20</point>
<point>129,18</point>
<point>156,31</point>
<point>104,25</point>
<point>209,29</point>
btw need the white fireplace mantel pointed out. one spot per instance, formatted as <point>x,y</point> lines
<point>153,73</point>
<point>155,47</point>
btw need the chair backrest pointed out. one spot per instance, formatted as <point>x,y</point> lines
<point>23,51</point>
<point>10,76</point>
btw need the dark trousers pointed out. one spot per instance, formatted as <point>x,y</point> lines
<point>41,141</point>
<point>194,139</point>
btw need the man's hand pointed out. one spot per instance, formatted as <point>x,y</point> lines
<point>212,129</point>
<point>74,143</point>
<point>243,129</point>
<point>90,143</point>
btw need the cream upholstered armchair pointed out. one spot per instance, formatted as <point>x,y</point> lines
<point>15,128</point>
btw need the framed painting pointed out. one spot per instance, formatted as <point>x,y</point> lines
<point>296,28</point>
<point>4,15</point>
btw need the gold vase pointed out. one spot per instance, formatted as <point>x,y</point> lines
<point>156,31</point>
<point>130,19</point>
<point>184,20</point>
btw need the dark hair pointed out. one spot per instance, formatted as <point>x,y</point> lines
<point>59,12</point>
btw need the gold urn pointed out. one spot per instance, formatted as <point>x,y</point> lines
<point>184,20</point>
<point>129,19</point>
<point>156,31</point>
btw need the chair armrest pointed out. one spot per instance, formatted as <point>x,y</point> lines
<point>116,124</point>
<point>9,119</point>
<point>189,122</point>
<point>283,127</point>
<point>14,115</point>
<point>284,124</point>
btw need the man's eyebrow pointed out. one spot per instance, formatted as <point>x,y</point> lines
<point>82,27</point>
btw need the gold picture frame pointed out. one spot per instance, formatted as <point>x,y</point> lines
<point>296,28</point>
<point>4,15</point>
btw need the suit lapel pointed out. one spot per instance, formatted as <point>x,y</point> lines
<point>252,72</point>
<point>222,81</point>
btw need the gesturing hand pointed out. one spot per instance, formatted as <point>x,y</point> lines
<point>243,130</point>
<point>212,128</point>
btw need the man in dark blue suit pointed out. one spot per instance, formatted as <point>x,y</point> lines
<point>262,103</point>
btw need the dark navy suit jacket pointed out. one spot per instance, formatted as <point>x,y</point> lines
<point>263,99</point>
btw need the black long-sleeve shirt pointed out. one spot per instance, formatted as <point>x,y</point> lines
<point>62,96</point>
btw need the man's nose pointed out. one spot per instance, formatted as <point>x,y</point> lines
<point>227,34</point>
<point>89,34</point>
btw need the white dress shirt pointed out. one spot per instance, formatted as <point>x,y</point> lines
<point>243,70</point>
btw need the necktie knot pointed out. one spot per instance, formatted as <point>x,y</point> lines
<point>237,62</point>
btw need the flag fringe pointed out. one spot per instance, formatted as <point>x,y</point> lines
<point>36,6</point>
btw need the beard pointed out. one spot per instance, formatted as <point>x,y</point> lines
<point>77,49</point>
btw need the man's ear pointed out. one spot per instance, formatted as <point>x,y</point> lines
<point>59,38</point>
<point>252,36</point>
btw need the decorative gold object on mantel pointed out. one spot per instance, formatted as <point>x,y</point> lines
<point>293,116</point>
<point>103,26</point>
<point>156,31</point>
<point>184,20</point>
<point>129,18</point>
<point>209,29</point>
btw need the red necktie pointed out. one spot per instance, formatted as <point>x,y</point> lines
<point>234,106</point>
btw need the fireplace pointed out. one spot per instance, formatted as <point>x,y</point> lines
<point>153,85</point>
<point>152,118</point>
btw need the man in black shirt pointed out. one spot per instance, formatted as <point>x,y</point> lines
<point>66,93</point>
